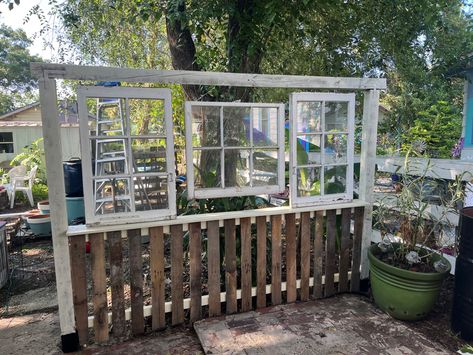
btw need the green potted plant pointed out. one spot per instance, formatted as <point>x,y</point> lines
<point>406,271</point>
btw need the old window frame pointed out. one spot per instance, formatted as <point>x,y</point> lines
<point>8,143</point>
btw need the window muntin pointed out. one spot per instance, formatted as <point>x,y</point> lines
<point>234,149</point>
<point>322,145</point>
<point>6,142</point>
<point>128,153</point>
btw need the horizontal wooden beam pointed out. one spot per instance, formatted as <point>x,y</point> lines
<point>95,73</point>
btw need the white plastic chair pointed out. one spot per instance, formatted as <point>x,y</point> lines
<point>20,181</point>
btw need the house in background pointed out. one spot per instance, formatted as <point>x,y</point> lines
<point>19,128</point>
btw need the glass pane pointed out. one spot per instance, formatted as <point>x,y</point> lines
<point>236,126</point>
<point>265,126</point>
<point>309,116</point>
<point>207,170</point>
<point>106,116</point>
<point>336,116</point>
<point>6,137</point>
<point>149,155</point>
<point>147,117</point>
<point>335,179</point>
<point>6,147</point>
<point>205,126</point>
<point>308,182</point>
<point>335,148</point>
<point>151,193</point>
<point>308,150</point>
<point>109,156</point>
<point>112,195</point>
<point>237,168</point>
<point>265,167</point>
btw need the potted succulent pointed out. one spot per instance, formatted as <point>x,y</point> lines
<point>406,270</point>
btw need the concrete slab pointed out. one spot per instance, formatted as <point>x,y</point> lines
<point>345,324</point>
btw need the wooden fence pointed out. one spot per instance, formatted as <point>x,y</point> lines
<point>226,265</point>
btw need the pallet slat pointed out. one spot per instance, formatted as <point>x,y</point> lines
<point>344,251</point>
<point>156,244</point>
<point>213,257</point>
<point>177,268</point>
<point>99,284</point>
<point>276,260</point>
<point>357,235</point>
<point>330,253</point>
<point>291,249</point>
<point>136,281</point>
<point>261,236</point>
<point>116,279</point>
<point>318,254</point>
<point>230,266</point>
<point>246,299</point>
<point>305,255</point>
<point>195,251</point>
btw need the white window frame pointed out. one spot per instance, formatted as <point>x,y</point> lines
<point>202,193</point>
<point>301,201</point>
<point>84,92</point>
<point>12,142</point>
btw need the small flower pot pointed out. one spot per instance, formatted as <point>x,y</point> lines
<point>40,224</point>
<point>43,207</point>
<point>29,214</point>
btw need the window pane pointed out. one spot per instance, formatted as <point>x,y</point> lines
<point>109,156</point>
<point>309,116</point>
<point>308,182</point>
<point>335,179</point>
<point>106,116</point>
<point>265,167</point>
<point>6,147</point>
<point>265,126</point>
<point>308,150</point>
<point>112,196</point>
<point>236,126</point>
<point>151,193</point>
<point>6,137</point>
<point>335,148</point>
<point>207,170</point>
<point>149,155</point>
<point>237,168</point>
<point>336,116</point>
<point>205,126</point>
<point>147,117</point>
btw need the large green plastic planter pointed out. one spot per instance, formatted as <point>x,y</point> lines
<point>403,294</point>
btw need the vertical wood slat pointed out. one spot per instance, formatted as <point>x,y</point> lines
<point>246,299</point>
<point>116,279</point>
<point>318,254</point>
<point>291,251</point>
<point>330,253</point>
<point>177,269</point>
<point>79,285</point>
<point>99,282</point>
<point>305,255</point>
<point>136,281</point>
<point>213,257</point>
<point>357,236</point>
<point>276,260</point>
<point>261,235</point>
<point>195,250</point>
<point>230,266</point>
<point>156,245</point>
<point>344,251</point>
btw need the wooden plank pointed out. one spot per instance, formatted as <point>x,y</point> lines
<point>261,236</point>
<point>344,251</point>
<point>116,279</point>
<point>156,245</point>
<point>136,281</point>
<point>276,260</point>
<point>305,255</point>
<point>291,249</point>
<point>318,254</point>
<point>357,243</point>
<point>246,299</point>
<point>213,257</point>
<point>330,253</point>
<point>230,266</point>
<point>195,251</point>
<point>79,285</point>
<point>177,269</point>
<point>99,285</point>
<point>186,77</point>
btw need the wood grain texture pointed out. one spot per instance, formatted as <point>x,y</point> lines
<point>344,251</point>
<point>213,257</point>
<point>276,260</point>
<point>116,279</point>
<point>99,285</point>
<point>291,266</point>
<point>330,253</point>
<point>79,285</point>
<point>318,254</point>
<point>136,281</point>
<point>357,236</point>
<point>261,236</point>
<point>230,266</point>
<point>246,299</point>
<point>177,269</point>
<point>156,245</point>
<point>195,250</point>
<point>305,255</point>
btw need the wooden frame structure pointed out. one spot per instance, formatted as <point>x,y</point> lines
<point>67,300</point>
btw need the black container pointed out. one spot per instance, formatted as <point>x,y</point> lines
<point>73,178</point>
<point>462,314</point>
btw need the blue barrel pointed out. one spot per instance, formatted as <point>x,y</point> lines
<point>75,208</point>
<point>462,313</point>
<point>73,177</point>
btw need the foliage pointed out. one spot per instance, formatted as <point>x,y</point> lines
<point>32,155</point>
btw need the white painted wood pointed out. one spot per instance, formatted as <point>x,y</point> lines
<point>94,73</point>
<point>57,202</point>
<point>367,170</point>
